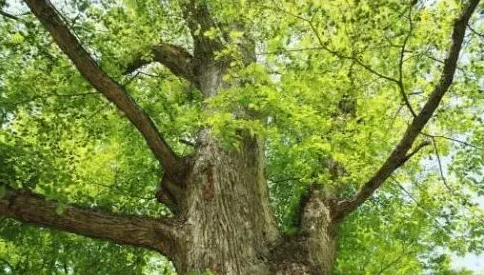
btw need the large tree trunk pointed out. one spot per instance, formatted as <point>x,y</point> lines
<point>229,224</point>
<point>229,227</point>
<point>223,221</point>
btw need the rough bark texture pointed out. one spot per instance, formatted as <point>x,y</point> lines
<point>229,227</point>
<point>229,222</point>
<point>147,232</point>
<point>219,196</point>
<point>312,250</point>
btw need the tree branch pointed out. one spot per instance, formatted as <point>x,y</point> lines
<point>179,61</point>
<point>333,52</point>
<point>475,32</point>
<point>425,211</point>
<point>199,20</point>
<point>156,234</point>
<point>454,140</point>
<point>439,162</point>
<point>71,46</point>
<point>9,16</point>
<point>399,155</point>
<point>401,85</point>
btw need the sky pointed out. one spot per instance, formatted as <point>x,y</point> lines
<point>471,261</point>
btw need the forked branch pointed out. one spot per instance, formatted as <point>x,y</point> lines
<point>400,154</point>
<point>114,92</point>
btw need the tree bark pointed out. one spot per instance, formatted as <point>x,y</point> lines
<point>229,224</point>
<point>312,250</point>
<point>220,196</point>
<point>229,227</point>
<point>156,234</point>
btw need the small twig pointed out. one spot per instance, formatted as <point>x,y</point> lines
<point>425,211</point>
<point>9,16</point>
<point>426,54</point>
<point>454,140</point>
<point>394,117</point>
<point>291,50</point>
<point>98,110</point>
<point>398,259</point>
<point>415,93</point>
<point>130,79</point>
<point>152,75</point>
<point>474,31</point>
<point>440,164</point>
<point>284,180</point>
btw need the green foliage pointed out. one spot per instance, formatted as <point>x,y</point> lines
<point>60,138</point>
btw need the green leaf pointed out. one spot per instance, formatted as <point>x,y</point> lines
<point>3,190</point>
<point>60,209</point>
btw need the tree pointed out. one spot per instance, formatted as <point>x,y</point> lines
<point>272,128</point>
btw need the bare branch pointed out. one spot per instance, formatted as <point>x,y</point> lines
<point>441,170</point>
<point>71,46</point>
<point>9,16</point>
<point>156,234</point>
<point>399,155</point>
<point>454,140</point>
<point>179,61</point>
<point>474,31</point>
<point>401,85</point>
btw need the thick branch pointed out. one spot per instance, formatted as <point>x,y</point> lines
<point>175,58</point>
<point>400,154</point>
<point>69,44</point>
<point>138,231</point>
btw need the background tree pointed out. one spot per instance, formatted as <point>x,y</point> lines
<point>240,137</point>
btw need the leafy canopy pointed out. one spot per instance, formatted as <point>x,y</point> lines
<point>325,89</point>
